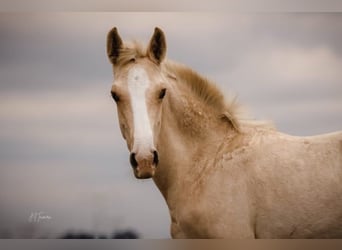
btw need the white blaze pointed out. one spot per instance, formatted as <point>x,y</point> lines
<point>138,83</point>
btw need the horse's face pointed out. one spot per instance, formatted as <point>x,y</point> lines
<point>139,90</point>
<point>139,96</point>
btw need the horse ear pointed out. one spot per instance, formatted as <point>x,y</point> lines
<point>157,47</point>
<point>114,44</point>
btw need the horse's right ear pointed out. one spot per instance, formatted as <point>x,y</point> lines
<point>114,44</point>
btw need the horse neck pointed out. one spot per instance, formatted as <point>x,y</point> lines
<point>189,130</point>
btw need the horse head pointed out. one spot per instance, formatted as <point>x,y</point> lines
<point>139,89</point>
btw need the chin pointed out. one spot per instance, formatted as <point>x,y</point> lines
<point>144,173</point>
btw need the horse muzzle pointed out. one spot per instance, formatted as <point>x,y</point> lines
<point>144,166</point>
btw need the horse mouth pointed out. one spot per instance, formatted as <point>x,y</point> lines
<point>144,172</point>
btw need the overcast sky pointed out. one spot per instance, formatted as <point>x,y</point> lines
<point>61,151</point>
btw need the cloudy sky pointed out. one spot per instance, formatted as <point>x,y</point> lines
<point>61,150</point>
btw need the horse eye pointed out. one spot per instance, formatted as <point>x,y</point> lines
<point>162,93</point>
<point>115,96</point>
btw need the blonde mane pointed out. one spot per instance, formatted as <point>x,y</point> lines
<point>129,51</point>
<point>205,90</point>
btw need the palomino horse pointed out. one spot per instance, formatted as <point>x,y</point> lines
<point>221,176</point>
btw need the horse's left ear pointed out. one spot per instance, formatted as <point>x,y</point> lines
<point>157,47</point>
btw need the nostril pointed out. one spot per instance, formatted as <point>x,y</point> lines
<point>155,157</point>
<point>133,161</point>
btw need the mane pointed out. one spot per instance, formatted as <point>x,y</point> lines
<point>131,50</point>
<point>205,89</point>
